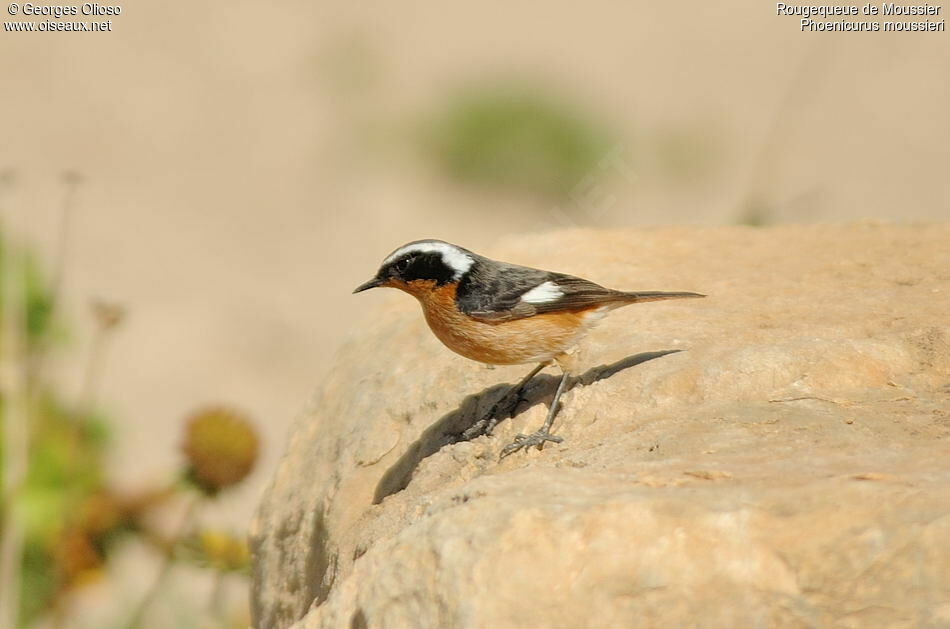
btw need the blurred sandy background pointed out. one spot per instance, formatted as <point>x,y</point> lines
<point>245,165</point>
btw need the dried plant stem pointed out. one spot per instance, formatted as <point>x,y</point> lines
<point>800,87</point>
<point>65,227</point>
<point>88,391</point>
<point>107,317</point>
<point>15,437</point>
<point>36,361</point>
<point>187,520</point>
<point>216,600</point>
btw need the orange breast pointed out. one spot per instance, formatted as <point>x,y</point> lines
<point>529,340</point>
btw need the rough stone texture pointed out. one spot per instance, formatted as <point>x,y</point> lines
<point>791,468</point>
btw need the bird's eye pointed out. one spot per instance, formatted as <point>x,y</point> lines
<point>403,265</point>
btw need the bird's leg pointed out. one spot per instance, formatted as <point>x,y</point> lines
<point>540,437</point>
<point>486,424</point>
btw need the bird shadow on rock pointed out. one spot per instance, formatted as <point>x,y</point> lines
<point>449,428</point>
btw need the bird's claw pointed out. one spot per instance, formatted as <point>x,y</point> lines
<point>502,409</point>
<point>477,429</point>
<point>523,442</point>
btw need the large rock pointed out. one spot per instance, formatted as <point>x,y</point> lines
<point>790,468</point>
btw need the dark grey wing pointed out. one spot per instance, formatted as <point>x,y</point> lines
<point>492,291</point>
<point>576,294</point>
<point>503,293</point>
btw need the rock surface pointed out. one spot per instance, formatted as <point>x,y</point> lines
<point>790,468</point>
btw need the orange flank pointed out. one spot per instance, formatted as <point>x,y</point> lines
<point>538,338</point>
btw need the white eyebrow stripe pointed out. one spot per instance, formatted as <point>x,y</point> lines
<point>543,293</point>
<point>458,260</point>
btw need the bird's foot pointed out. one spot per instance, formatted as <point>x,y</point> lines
<point>502,409</point>
<point>523,442</point>
<point>474,431</point>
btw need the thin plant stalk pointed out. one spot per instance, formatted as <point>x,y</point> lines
<point>15,436</point>
<point>800,87</point>
<point>216,600</point>
<point>187,520</point>
<point>37,358</point>
<point>71,181</point>
<point>107,317</point>
<point>88,390</point>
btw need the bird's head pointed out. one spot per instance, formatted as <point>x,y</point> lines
<point>423,263</point>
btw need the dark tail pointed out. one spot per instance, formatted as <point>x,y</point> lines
<point>635,298</point>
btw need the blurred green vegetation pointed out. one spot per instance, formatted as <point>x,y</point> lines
<point>70,516</point>
<point>65,469</point>
<point>65,458</point>
<point>38,299</point>
<point>516,137</point>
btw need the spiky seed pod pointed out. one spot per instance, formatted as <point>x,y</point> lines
<point>221,447</point>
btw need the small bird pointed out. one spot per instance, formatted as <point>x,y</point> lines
<point>503,314</point>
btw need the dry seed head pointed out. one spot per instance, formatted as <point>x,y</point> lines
<point>221,447</point>
<point>107,314</point>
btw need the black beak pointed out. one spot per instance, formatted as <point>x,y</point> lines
<point>373,283</point>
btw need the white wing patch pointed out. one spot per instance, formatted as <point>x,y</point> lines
<point>543,293</point>
<point>455,258</point>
